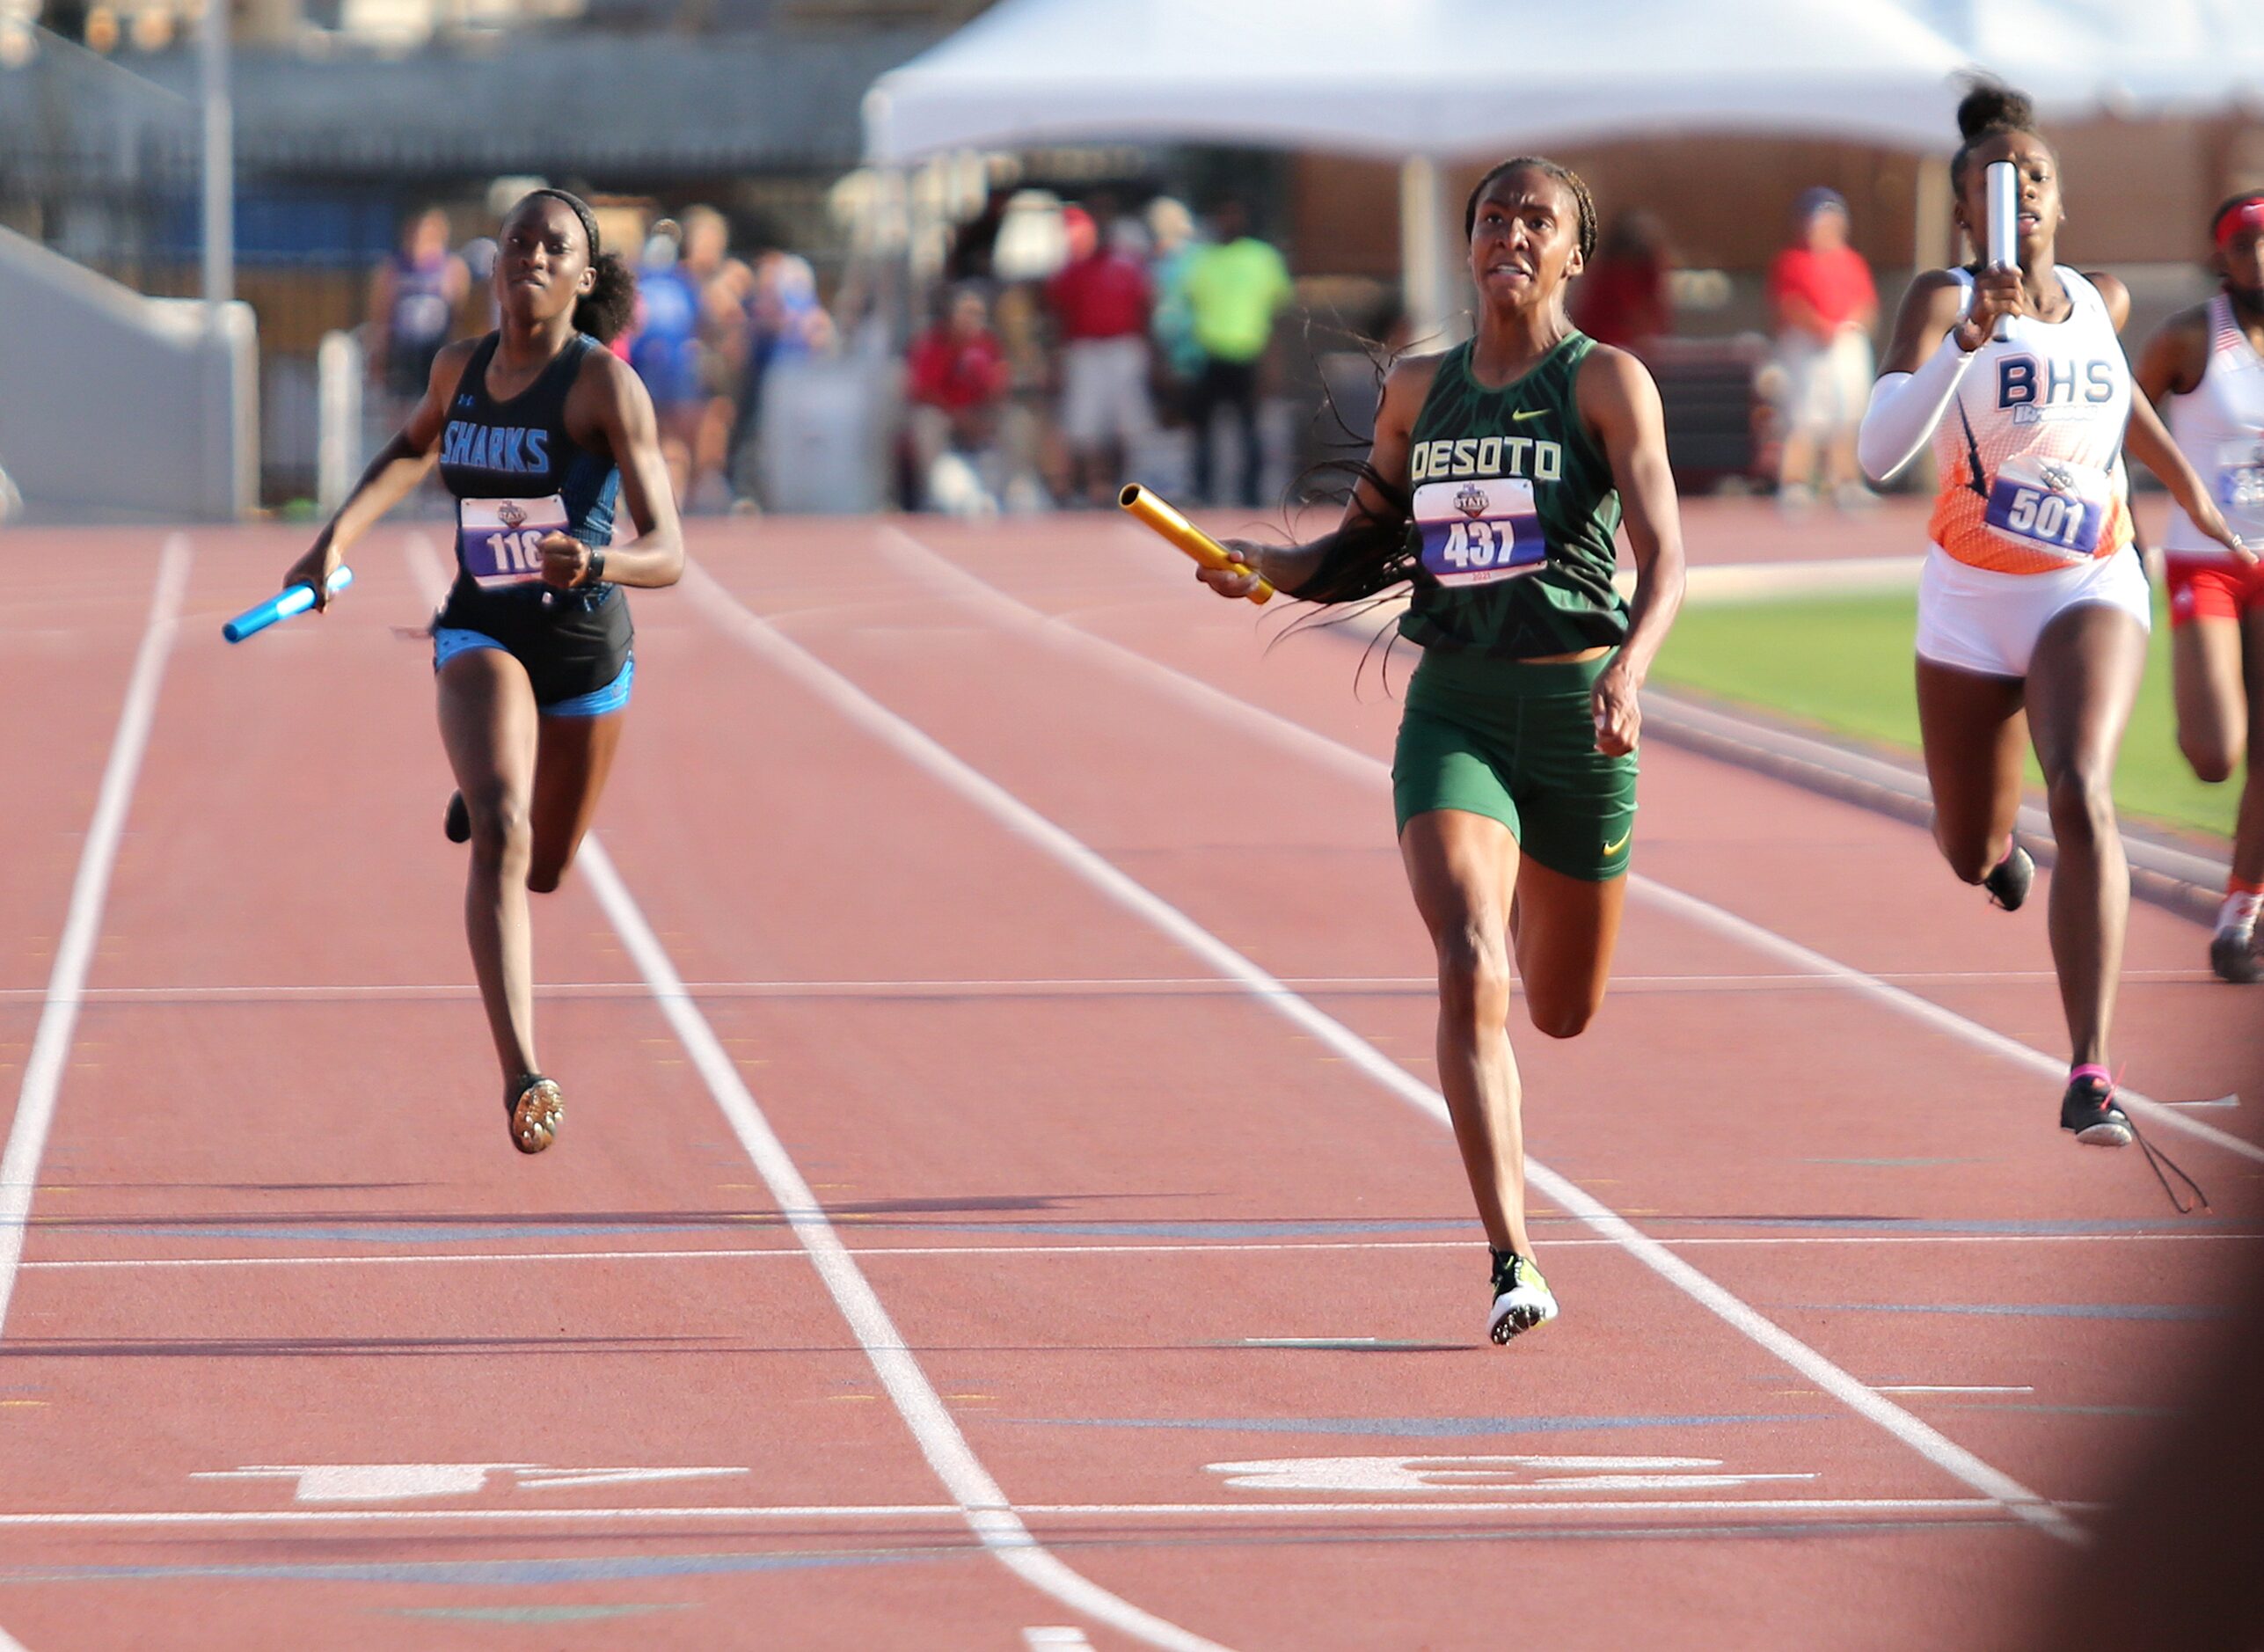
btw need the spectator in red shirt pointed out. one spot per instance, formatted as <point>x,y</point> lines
<point>956,380</point>
<point>1622,298</point>
<point>1101,301</point>
<point>1824,305</point>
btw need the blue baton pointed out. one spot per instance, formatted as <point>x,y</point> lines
<point>292,599</point>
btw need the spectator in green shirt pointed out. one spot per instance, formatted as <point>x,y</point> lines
<point>1235,287</point>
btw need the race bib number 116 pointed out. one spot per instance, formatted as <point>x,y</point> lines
<point>497,539</point>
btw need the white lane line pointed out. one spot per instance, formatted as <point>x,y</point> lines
<point>1055,1640</point>
<point>1345,759</point>
<point>1954,1388</point>
<point>1432,1504</point>
<point>43,1067</point>
<point>1223,1247</point>
<point>1068,986</point>
<point>1019,819</point>
<point>983,1505</point>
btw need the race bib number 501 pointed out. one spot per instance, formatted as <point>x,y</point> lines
<point>1475,533</point>
<point>497,539</point>
<point>2051,506</point>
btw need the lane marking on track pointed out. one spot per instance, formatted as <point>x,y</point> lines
<point>982,1503</point>
<point>952,1514</point>
<point>1223,1248</point>
<point>1064,986</point>
<point>1055,1640</point>
<point>51,1043</point>
<point>927,755</point>
<point>944,574</point>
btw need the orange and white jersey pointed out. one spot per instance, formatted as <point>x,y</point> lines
<point>2030,450</point>
<point>2220,427</point>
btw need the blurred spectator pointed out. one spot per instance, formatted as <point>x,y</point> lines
<point>412,303</point>
<point>724,287</point>
<point>1172,229</point>
<point>786,322</point>
<point>1622,298</point>
<point>666,350</point>
<point>1824,305</point>
<point>1100,300</point>
<point>1235,288</point>
<point>956,382</point>
<point>479,254</point>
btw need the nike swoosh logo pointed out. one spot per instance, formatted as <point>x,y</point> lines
<point>1972,455</point>
<point>1529,412</point>
<point>1613,848</point>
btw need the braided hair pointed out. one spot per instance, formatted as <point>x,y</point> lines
<point>1582,201</point>
<point>1988,111</point>
<point>605,310</point>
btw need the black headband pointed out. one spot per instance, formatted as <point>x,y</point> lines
<point>581,210</point>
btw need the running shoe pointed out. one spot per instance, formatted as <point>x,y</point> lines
<point>2233,956</point>
<point>457,823</point>
<point>2089,1110</point>
<point>536,1110</point>
<point>1522,1298</point>
<point>2008,884</point>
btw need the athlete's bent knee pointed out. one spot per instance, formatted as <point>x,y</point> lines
<point>544,878</point>
<point>1970,858</point>
<point>2212,761</point>
<point>1565,1018</point>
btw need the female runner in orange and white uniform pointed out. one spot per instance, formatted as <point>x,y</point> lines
<point>2032,606</point>
<point>2209,363</point>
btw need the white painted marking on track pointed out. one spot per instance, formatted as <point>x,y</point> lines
<point>396,1483</point>
<point>982,1503</point>
<point>1954,1388</point>
<point>1223,1247</point>
<point>1926,1507</point>
<point>1374,1474</point>
<point>1055,1640</point>
<point>1064,986</point>
<point>43,1067</point>
<point>51,1043</point>
<point>923,752</point>
<point>987,1512</point>
<point>1704,914</point>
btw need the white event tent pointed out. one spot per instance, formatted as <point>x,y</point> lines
<point>2133,58</point>
<point>1418,81</point>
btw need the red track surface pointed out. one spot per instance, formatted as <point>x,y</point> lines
<point>1103,1191</point>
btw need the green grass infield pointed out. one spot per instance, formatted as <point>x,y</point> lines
<point>1843,665</point>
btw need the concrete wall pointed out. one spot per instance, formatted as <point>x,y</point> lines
<point>111,402</point>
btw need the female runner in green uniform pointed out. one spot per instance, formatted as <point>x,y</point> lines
<point>1499,473</point>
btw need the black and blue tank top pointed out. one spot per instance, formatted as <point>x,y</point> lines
<point>517,475</point>
<point>519,449</point>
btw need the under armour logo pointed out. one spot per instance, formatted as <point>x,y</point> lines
<point>464,401</point>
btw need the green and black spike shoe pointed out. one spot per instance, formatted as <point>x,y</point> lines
<point>1522,1297</point>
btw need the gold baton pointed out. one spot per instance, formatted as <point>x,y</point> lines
<point>1153,512</point>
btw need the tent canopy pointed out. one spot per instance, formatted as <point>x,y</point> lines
<point>1445,78</point>
<point>2128,57</point>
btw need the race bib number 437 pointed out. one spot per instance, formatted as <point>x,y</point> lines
<point>1475,533</point>
<point>497,538</point>
<point>2051,506</point>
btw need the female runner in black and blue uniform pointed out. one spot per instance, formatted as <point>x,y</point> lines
<point>536,429</point>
